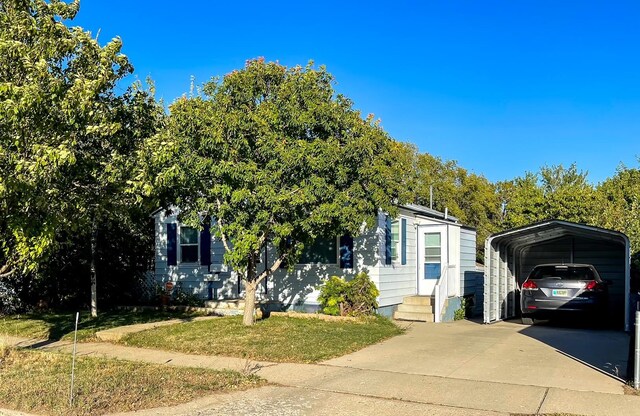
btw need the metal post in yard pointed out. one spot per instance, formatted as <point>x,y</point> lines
<point>73,360</point>
<point>636,357</point>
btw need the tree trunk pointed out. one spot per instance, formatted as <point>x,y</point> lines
<point>249,317</point>
<point>94,280</point>
<point>250,289</point>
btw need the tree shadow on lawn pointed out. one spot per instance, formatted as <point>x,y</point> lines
<point>61,325</point>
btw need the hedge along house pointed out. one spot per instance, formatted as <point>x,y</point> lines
<point>511,255</point>
<point>422,262</point>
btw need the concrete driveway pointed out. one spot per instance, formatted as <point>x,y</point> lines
<point>505,352</point>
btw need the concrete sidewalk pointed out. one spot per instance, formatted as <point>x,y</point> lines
<point>437,393</point>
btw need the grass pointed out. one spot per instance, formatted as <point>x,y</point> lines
<point>276,339</point>
<point>36,381</point>
<point>56,326</point>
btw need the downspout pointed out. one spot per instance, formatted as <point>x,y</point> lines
<point>418,255</point>
<point>486,314</point>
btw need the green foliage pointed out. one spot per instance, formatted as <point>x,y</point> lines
<point>353,298</point>
<point>618,201</point>
<point>65,148</point>
<point>332,296</point>
<point>54,96</point>
<point>459,314</point>
<point>462,312</point>
<point>183,298</point>
<point>554,193</point>
<point>469,197</point>
<point>275,156</point>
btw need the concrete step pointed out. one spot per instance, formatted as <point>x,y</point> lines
<point>413,316</point>
<point>418,300</point>
<point>403,307</point>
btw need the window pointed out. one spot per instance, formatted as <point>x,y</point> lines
<point>395,239</point>
<point>432,256</point>
<point>323,250</point>
<point>562,272</point>
<point>188,245</point>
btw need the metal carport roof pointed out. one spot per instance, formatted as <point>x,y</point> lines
<point>499,282</point>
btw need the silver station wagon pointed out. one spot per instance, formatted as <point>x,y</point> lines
<point>553,289</point>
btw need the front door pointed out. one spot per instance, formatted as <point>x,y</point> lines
<point>432,257</point>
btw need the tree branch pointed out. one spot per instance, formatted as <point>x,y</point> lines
<point>271,269</point>
<point>222,235</point>
<point>6,271</point>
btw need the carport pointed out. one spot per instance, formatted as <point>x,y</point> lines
<point>510,256</point>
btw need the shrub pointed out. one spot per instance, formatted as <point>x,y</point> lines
<point>332,295</point>
<point>9,300</point>
<point>462,312</point>
<point>183,298</point>
<point>354,298</point>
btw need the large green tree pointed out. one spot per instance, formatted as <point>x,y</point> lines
<point>555,192</point>
<point>469,197</point>
<point>275,157</point>
<point>64,134</point>
<point>618,202</point>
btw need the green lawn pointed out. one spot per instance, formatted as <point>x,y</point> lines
<point>36,381</point>
<point>55,326</point>
<point>278,339</point>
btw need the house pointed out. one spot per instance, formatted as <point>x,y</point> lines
<point>423,263</point>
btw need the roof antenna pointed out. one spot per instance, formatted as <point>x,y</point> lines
<point>431,196</point>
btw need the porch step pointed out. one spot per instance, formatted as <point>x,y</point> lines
<point>414,316</point>
<point>418,300</point>
<point>404,307</point>
<point>416,308</point>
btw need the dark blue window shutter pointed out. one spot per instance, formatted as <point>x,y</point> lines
<point>387,240</point>
<point>403,242</point>
<point>172,244</point>
<point>346,252</point>
<point>205,246</point>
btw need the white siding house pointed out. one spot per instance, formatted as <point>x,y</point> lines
<point>417,253</point>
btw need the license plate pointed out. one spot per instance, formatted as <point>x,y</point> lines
<point>560,292</point>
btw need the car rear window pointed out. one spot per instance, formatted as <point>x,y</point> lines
<point>562,272</point>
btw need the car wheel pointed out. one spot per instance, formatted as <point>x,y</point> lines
<point>526,320</point>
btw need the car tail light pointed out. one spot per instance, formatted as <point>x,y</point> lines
<point>529,285</point>
<point>592,285</point>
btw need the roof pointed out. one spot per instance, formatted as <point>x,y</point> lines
<point>420,209</point>
<point>552,229</point>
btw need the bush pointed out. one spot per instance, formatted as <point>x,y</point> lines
<point>354,298</point>
<point>182,298</point>
<point>458,314</point>
<point>9,300</point>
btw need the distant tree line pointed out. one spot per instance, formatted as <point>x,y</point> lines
<point>270,155</point>
<point>554,192</point>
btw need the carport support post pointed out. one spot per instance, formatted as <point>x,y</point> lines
<point>636,357</point>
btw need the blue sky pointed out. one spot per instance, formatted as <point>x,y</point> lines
<point>503,87</point>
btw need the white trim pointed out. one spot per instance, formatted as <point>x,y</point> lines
<point>398,244</point>
<point>443,222</point>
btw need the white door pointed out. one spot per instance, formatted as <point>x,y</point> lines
<point>432,257</point>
